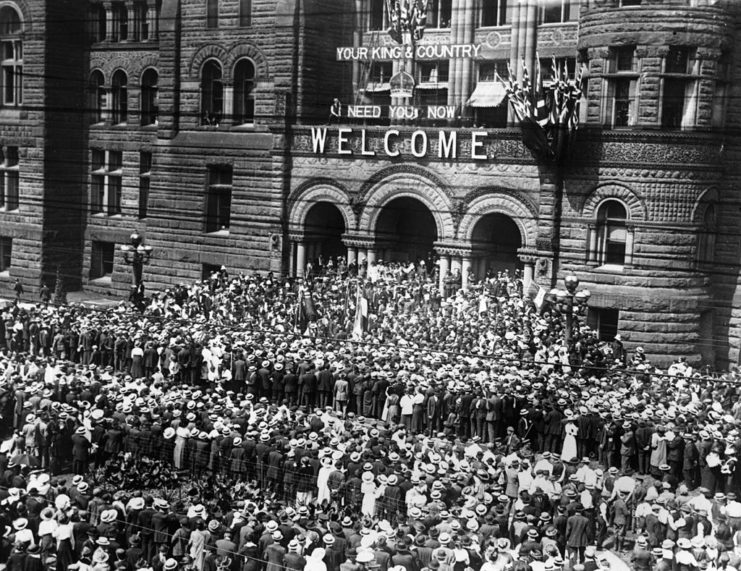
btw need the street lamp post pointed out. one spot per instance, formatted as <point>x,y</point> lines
<point>136,255</point>
<point>570,302</point>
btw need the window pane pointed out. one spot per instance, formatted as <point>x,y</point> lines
<point>212,13</point>
<point>6,253</point>
<point>245,12</point>
<point>143,196</point>
<point>97,191</point>
<point>12,190</point>
<point>114,195</point>
<point>672,107</point>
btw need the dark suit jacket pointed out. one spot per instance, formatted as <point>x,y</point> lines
<point>577,531</point>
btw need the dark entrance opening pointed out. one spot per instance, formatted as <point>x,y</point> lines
<point>495,241</point>
<point>405,231</point>
<point>324,227</point>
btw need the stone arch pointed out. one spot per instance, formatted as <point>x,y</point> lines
<point>308,194</point>
<point>245,50</point>
<point>111,65</point>
<point>24,12</point>
<point>408,184</point>
<point>209,51</point>
<point>506,204</point>
<point>633,204</point>
<point>372,183</point>
<point>707,198</point>
<point>150,61</point>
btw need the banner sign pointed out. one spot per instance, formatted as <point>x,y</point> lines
<point>358,142</point>
<point>399,112</point>
<point>423,52</point>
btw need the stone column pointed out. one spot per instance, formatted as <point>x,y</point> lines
<point>465,269</point>
<point>300,259</point>
<point>352,255</point>
<point>527,257</point>
<point>371,256</point>
<point>444,267</point>
<point>291,258</point>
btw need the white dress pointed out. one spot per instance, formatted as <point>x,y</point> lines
<point>368,507</point>
<point>569,442</point>
<point>322,481</point>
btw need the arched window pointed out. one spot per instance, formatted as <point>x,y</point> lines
<point>119,93</point>
<point>212,94</point>
<point>149,106</point>
<point>706,237</point>
<point>12,57</point>
<point>97,97</point>
<point>612,233</point>
<point>244,92</point>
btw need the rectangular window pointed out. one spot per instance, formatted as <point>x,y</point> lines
<point>604,321</point>
<point>101,259</point>
<point>380,72</point>
<point>212,14</point>
<point>11,63</point>
<point>6,253</point>
<point>677,60</point>
<point>439,13</point>
<point>9,179</point>
<point>245,13</point>
<point>218,198</point>
<point>433,72</point>
<point>106,170</point>
<point>496,12</point>
<point>672,107</point>
<point>622,109</point>
<point>120,27</point>
<point>141,25</point>
<point>623,58</point>
<point>376,18</point>
<point>145,173</point>
<point>557,11</point>
<point>488,71</point>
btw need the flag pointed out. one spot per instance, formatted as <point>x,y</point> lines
<point>541,109</point>
<point>361,316</point>
<point>539,297</point>
<point>420,18</point>
<point>392,8</point>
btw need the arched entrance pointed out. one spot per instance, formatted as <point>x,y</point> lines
<point>324,226</point>
<point>495,240</point>
<point>405,231</point>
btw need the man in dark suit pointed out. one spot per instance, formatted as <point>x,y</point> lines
<point>80,451</point>
<point>691,461</point>
<point>578,534</point>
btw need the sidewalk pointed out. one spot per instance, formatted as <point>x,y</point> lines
<point>87,299</point>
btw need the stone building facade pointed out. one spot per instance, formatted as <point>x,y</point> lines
<point>205,125</point>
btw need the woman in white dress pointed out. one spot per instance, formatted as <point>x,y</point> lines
<point>370,493</point>
<point>181,437</point>
<point>570,430</point>
<point>322,481</point>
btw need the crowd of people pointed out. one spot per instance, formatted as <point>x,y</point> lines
<point>353,421</point>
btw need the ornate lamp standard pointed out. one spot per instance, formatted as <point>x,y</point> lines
<point>136,255</point>
<point>570,302</point>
